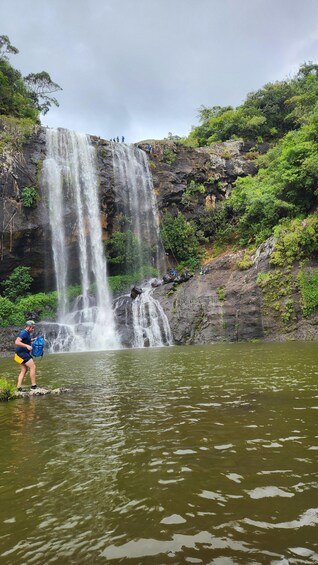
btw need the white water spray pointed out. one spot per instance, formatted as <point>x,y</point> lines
<point>70,179</point>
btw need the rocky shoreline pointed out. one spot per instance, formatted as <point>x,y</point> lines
<point>30,393</point>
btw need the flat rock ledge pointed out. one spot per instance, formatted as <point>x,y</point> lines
<point>40,392</point>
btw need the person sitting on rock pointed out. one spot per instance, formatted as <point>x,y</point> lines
<point>23,351</point>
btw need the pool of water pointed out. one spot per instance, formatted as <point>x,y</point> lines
<point>205,454</point>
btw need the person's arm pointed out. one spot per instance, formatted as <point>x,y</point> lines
<point>20,343</point>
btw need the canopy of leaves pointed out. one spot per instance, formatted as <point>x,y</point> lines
<point>266,114</point>
<point>23,97</point>
<point>285,186</point>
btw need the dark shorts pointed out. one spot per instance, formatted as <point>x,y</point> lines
<point>25,355</point>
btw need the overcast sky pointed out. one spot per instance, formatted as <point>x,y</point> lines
<point>142,68</point>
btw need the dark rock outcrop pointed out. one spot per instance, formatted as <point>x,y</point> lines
<point>135,291</point>
<point>227,304</point>
<point>216,167</point>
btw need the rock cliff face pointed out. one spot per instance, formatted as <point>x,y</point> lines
<point>174,166</point>
<point>224,304</point>
<point>23,231</point>
<point>228,304</point>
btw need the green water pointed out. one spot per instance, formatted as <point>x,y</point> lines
<point>164,456</point>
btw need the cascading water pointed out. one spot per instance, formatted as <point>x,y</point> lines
<point>151,326</point>
<point>134,188</point>
<point>69,176</point>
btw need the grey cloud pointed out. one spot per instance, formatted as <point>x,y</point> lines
<point>141,68</point>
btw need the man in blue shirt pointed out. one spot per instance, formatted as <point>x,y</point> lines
<point>23,350</point>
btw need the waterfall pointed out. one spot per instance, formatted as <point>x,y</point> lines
<point>70,181</point>
<point>150,323</point>
<point>142,318</point>
<point>134,187</point>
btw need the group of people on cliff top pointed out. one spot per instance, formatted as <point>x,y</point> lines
<point>116,139</point>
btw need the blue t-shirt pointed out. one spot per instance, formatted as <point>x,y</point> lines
<point>25,338</point>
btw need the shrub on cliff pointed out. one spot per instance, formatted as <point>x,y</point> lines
<point>308,286</point>
<point>179,237</point>
<point>18,283</point>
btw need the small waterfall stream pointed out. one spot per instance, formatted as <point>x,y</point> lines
<point>150,323</point>
<point>69,176</point>
<point>134,187</point>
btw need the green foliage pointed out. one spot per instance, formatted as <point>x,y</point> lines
<point>267,114</point>
<point>6,47</point>
<point>262,279</point>
<point>29,197</point>
<point>308,286</point>
<point>23,97</point>
<point>216,223</point>
<point>15,99</point>
<point>14,132</point>
<point>169,156</point>
<point>277,288</point>
<point>285,186</point>
<point>295,240</point>
<point>121,283</point>
<point>180,238</point>
<point>245,263</point>
<point>191,194</point>
<point>126,252</point>
<point>18,283</point>
<point>7,389</point>
<point>73,291</point>
<point>39,306</point>
<point>220,293</point>
<point>41,86</point>
<point>10,315</point>
<point>288,311</point>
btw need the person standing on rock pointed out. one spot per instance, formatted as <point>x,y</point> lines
<point>23,351</point>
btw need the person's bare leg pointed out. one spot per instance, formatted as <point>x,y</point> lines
<point>21,375</point>
<point>31,365</point>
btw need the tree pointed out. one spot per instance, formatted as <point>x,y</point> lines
<point>6,47</point>
<point>23,97</point>
<point>40,85</point>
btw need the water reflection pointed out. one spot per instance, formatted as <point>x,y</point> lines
<point>178,455</point>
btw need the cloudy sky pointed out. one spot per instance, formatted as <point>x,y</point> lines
<point>142,68</point>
